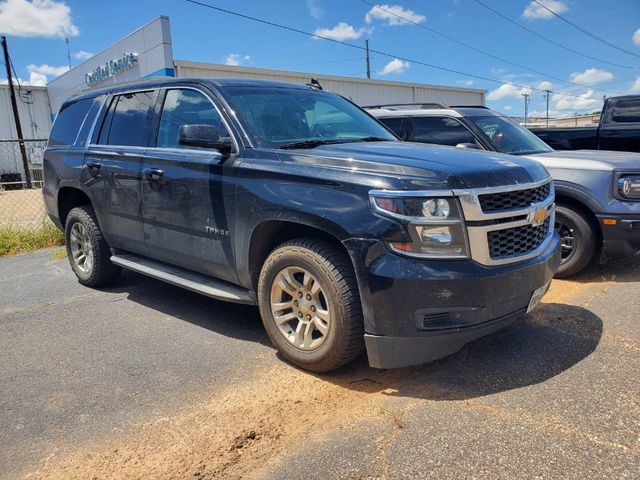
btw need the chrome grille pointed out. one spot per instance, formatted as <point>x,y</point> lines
<point>508,224</point>
<point>494,202</point>
<point>516,241</point>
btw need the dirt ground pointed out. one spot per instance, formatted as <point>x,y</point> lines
<point>22,208</point>
<point>280,416</point>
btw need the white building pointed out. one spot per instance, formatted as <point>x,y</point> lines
<point>148,52</point>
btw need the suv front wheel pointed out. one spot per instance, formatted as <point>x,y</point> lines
<point>310,305</point>
<point>578,241</point>
<point>87,250</point>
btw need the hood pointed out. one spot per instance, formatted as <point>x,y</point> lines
<point>437,166</point>
<point>588,159</point>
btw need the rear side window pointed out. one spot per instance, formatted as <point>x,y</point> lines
<point>69,121</point>
<point>126,120</point>
<point>441,131</point>
<point>394,124</point>
<point>627,111</point>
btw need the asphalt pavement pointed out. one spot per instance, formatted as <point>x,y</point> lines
<point>147,380</point>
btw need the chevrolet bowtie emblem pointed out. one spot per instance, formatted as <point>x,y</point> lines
<point>538,217</point>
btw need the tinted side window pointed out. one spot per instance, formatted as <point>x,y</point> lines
<point>126,120</point>
<point>440,130</point>
<point>68,122</point>
<point>186,107</point>
<point>627,111</point>
<point>394,124</point>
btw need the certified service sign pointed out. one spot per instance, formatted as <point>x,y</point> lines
<point>111,69</point>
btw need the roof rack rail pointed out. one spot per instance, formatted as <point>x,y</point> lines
<point>470,106</point>
<point>425,106</point>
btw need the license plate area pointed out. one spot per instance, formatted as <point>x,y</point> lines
<point>537,296</point>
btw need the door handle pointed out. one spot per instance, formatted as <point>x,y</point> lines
<point>611,133</point>
<point>94,166</point>
<point>153,174</point>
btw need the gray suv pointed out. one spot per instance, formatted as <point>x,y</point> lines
<point>597,192</point>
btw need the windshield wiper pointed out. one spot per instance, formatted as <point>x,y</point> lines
<point>308,144</point>
<point>372,139</point>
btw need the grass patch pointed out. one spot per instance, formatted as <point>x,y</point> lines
<point>19,240</point>
<point>59,254</point>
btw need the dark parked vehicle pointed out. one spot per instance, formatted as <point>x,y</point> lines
<point>619,129</point>
<point>597,192</point>
<point>296,200</point>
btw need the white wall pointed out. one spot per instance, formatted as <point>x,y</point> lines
<point>34,111</point>
<point>361,91</point>
<point>151,43</point>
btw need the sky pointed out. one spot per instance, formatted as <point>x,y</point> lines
<point>446,42</point>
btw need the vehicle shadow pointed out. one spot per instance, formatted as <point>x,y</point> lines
<point>619,270</point>
<point>551,340</point>
<point>542,345</point>
<point>229,319</point>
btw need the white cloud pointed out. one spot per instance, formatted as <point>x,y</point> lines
<point>467,83</point>
<point>82,55</point>
<point>236,59</point>
<point>315,9</point>
<point>636,37</point>
<point>394,66</point>
<point>35,80</point>
<point>45,69</point>
<point>390,14</point>
<point>585,101</point>
<point>342,31</point>
<point>36,18</point>
<point>508,90</point>
<point>508,107</point>
<point>545,85</point>
<point>635,87</point>
<point>591,76</point>
<point>536,11</point>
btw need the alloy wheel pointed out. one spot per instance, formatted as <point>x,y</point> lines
<point>300,309</point>
<point>81,249</point>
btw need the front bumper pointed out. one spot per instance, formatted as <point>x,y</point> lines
<point>620,235</point>
<point>419,311</point>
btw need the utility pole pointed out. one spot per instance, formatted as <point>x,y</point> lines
<point>16,115</point>
<point>66,40</point>
<point>526,107</point>
<point>366,44</point>
<point>547,94</point>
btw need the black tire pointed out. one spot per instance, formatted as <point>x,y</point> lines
<point>101,271</point>
<point>333,271</point>
<point>576,232</point>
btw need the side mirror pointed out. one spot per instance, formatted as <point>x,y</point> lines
<point>202,136</point>
<point>473,146</point>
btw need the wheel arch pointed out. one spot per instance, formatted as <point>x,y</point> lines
<point>582,203</point>
<point>69,198</point>
<point>268,234</point>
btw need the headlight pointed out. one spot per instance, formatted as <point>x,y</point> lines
<point>629,186</point>
<point>435,225</point>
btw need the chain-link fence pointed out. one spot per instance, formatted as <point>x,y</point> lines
<point>21,204</point>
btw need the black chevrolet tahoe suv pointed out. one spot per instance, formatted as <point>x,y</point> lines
<point>296,200</point>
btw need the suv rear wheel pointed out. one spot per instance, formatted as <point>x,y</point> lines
<point>310,305</point>
<point>87,250</point>
<point>578,241</point>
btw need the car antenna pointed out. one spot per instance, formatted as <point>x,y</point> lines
<point>314,84</point>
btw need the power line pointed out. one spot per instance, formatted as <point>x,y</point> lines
<point>585,31</point>
<point>377,52</point>
<point>471,47</point>
<point>553,42</point>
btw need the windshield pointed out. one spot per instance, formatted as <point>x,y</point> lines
<point>506,136</point>
<point>285,117</point>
